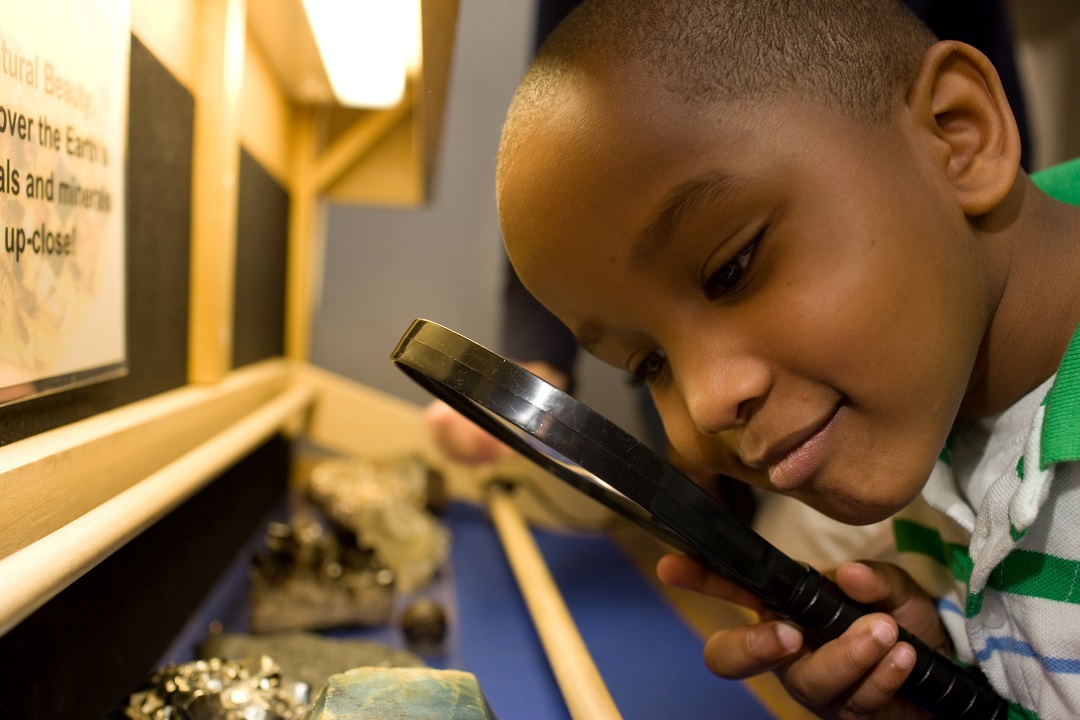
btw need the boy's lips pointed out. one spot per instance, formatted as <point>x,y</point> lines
<point>797,457</point>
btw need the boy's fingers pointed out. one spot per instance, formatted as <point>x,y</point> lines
<point>856,674</point>
<point>743,652</point>
<point>880,584</point>
<point>878,691</point>
<point>684,572</point>
<point>459,438</point>
<point>890,589</point>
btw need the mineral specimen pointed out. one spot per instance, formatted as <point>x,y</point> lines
<point>424,625</point>
<point>311,578</point>
<point>216,689</point>
<point>414,693</point>
<point>384,504</point>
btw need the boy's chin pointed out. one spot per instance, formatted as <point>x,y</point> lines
<point>852,511</point>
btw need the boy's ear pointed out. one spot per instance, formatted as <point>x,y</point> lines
<point>958,96</point>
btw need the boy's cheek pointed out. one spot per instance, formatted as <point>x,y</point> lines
<point>701,456</point>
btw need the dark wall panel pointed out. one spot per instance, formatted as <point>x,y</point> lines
<point>261,241</point>
<point>81,653</point>
<point>160,132</point>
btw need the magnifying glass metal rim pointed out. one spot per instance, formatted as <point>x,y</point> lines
<point>591,453</point>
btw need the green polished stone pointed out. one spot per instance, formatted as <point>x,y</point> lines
<point>401,694</point>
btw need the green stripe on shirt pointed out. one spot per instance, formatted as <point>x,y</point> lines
<point>915,538</point>
<point>1022,572</point>
<point>1060,440</point>
<point>1016,712</point>
<point>1035,574</point>
<point>1061,182</point>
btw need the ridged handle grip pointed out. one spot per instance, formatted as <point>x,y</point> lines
<point>936,684</point>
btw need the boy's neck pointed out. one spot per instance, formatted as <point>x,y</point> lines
<point>1036,253</point>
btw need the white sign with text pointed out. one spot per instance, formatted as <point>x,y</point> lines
<point>63,144</point>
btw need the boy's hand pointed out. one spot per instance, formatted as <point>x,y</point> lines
<point>856,675</point>
<point>459,438</point>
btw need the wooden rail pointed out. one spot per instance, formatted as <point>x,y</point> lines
<point>37,571</point>
<point>583,689</point>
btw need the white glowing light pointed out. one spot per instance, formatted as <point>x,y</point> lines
<point>367,47</point>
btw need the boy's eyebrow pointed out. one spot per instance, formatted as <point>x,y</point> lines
<point>589,334</point>
<point>713,187</point>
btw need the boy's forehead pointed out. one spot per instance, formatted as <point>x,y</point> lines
<point>598,130</point>
<point>607,151</point>
<point>588,176</point>
<point>584,180</point>
<point>571,165</point>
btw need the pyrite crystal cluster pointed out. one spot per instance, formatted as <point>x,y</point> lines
<point>367,535</point>
<point>385,504</point>
<point>312,578</point>
<point>251,689</point>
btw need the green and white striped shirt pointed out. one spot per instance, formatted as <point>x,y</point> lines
<point>1008,575</point>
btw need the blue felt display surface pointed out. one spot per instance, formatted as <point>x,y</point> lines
<point>649,659</point>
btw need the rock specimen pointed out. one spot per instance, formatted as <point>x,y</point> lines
<point>309,578</point>
<point>216,689</point>
<point>414,693</point>
<point>424,626</point>
<point>384,503</point>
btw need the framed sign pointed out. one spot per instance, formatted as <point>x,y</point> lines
<point>63,142</point>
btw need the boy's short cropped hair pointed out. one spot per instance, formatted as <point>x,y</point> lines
<point>856,55</point>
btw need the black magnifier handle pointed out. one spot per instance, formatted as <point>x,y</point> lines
<point>815,603</point>
<point>936,684</point>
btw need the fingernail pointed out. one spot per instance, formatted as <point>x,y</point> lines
<point>789,636</point>
<point>883,631</point>
<point>903,657</point>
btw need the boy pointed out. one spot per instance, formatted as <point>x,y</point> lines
<point>803,225</point>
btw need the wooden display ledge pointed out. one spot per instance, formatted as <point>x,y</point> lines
<point>76,494</point>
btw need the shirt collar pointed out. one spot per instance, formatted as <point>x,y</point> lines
<point>1060,441</point>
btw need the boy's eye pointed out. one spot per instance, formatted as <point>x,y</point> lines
<point>648,369</point>
<point>728,275</point>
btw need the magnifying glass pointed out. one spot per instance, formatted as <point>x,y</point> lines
<point>584,449</point>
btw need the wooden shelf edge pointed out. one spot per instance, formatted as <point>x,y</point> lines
<point>37,572</point>
<point>48,480</point>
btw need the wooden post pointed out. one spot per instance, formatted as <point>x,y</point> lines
<point>304,264</point>
<point>215,170</point>
<point>586,695</point>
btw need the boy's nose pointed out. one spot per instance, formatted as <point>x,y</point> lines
<point>721,395</point>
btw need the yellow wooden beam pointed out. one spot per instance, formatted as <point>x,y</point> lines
<point>349,147</point>
<point>215,170</point>
<point>305,237</point>
<point>582,686</point>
